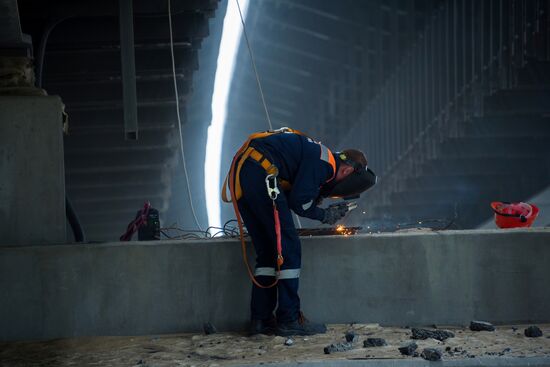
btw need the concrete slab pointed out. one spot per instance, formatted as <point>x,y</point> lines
<point>139,288</point>
<point>32,174</point>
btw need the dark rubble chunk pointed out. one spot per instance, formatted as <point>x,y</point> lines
<point>209,328</point>
<point>338,347</point>
<point>351,337</point>
<point>408,349</point>
<point>374,342</point>
<point>433,334</point>
<point>431,354</point>
<point>481,326</point>
<point>533,332</point>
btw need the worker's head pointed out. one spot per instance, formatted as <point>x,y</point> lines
<point>351,160</point>
<point>352,177</point>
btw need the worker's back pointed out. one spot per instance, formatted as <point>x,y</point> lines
<point>288,151</point>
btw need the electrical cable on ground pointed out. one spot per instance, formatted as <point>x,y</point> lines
<point>179,117</point>
<point>173,232</point>
<point>254,66</point>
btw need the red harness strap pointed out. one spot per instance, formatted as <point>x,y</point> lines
<point>280,259</point>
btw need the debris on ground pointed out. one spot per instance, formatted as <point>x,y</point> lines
<point>424,334</point>
<point>481,326</point>
<point>208,328</point>
<point>225,348</point>
<point>374,342</point>
<point>351,337</point>
<point>338,347</point>
<point>289,342</point>
<point>431,354</point>
<point>408,349</point>
<point>533,332</point>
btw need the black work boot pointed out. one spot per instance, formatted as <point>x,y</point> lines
<point>302,326</point>
<point>266,327</point>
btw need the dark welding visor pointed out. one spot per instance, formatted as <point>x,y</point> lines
<point>353,185</point>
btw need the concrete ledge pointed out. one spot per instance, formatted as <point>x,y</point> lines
<point>138,288</point>
<point>470,362</point>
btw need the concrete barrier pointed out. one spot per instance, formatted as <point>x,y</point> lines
<point>136,288</point>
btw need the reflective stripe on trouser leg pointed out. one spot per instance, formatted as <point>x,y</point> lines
<point>269,272</point>
<point>284,274</point>
<point>257,212</point>
<point>289,274</point>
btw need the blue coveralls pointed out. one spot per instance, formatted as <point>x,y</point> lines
<point>305,164</point>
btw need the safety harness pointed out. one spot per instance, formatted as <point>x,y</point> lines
<point>272,184</point>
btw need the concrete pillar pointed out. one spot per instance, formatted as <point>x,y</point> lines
<point>32,175</point>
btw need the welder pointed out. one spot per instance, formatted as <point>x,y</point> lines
<point>274,173</point>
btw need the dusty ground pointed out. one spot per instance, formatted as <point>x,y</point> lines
<point>236,349</point>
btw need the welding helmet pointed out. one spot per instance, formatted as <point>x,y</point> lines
<point>514,215</point>
<point>361,179</point>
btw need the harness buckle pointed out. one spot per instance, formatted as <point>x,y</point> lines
<point>271,184</point>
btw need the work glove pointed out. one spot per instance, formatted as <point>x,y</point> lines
<point>334,213</point>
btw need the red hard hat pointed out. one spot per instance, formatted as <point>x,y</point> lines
<point>514,215</point>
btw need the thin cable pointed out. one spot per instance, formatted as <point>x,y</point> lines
<point>42,49</point>
<point>299,222</point>
<point>254,65</point>
<point>179,117</point>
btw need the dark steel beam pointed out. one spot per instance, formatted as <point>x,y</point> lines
<point>108,62</point>
<point>118,205</point>
<point>101,92</point>
<point>296,54</point>
<point>129,197</point>
<point>113,127</point>
<point>82,121</point>
<point>109,8</point>
<point>114,105</point>
<point>90,78</point>
<point>151,174</point>
<point>108,140</point>
<point>348,14</point>
<point>140,169</point>
<point>245,91</point>
<point>82,31</point>
<point>128,65</point>
<point>119,160</point>
<point>96,47</point>
<point>120,190</point>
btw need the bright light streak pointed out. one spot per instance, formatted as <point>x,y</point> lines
<point>229,45</point>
